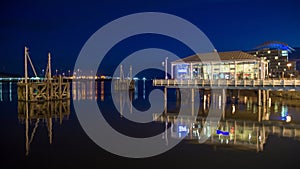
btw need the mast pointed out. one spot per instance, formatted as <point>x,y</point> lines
<point>26,73</point>
<point>49,67</point>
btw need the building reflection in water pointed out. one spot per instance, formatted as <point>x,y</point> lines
<point>239,134</point>
<point>32,114</point>
<point>244,125</point>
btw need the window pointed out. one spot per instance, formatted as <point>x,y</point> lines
<point>284,53</point>
<point>269,52</point>
<point>276,57</point>
<point>278,63</point>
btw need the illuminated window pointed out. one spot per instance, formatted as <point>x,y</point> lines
<point>269,52</point>
<point>278,63</point>
<point>284,53</point>
<point>276,57</point>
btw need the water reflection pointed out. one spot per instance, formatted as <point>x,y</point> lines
<point>6,91</point>
<point>33,114</point>
<point>1,90</point>
<point>244,125</point>
<point>86,90</point>
<point>236,134</point>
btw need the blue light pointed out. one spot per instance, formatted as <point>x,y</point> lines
<point>182,130</point>
<point>224,133</point>
<point>275,45</point>
<point>284,112</point>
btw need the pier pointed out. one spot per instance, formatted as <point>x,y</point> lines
<point>45,89</point>
<point>124,83</point>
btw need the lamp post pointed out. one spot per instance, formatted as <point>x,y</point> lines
<point>166,68</point>
<point>289,68</point>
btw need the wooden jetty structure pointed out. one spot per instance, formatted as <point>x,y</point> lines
<point>45,89</point>
<point>124,83</point>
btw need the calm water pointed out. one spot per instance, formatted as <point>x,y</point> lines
<point>53,138</point>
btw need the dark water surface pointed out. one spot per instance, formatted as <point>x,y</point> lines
<point>58,141</point>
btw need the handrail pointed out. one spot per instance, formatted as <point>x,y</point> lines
<point>225,82</point>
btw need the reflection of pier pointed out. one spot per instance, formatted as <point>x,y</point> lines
<point>41,112</point>
<point>240,134</point>
<point>243,129</point>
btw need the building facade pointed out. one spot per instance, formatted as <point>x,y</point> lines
<point>277,56</point>
<point>233,65</point>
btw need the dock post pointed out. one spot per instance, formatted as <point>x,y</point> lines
<point>264,98</point>
<point>165,99</point>
<point>60,86</point>
<point>259,98</point>
<point>26,74</point>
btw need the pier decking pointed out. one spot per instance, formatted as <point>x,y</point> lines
<point>263,84</point>
<point>55,89</point>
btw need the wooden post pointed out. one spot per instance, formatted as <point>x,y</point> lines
<point>26,74</point>
<point>60,86</point>
<point>264,97</point>
<point>259,98</point>
<point>165,99</point>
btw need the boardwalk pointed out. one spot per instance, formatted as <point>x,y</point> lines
<point>269,84</point>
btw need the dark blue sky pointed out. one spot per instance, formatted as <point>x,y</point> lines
<point>62,27</point>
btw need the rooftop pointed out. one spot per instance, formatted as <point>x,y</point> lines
<point>224,56</point>
<point>275,45</point>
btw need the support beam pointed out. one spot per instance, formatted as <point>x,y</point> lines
<point>165,99</point>
<point>259,98</point>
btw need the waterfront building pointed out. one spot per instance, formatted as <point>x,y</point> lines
<point>277,55</point>
<point>233,65</point>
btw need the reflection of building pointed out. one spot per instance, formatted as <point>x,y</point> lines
<point>237,134</point>
<point>233,65</point>
<point>41,112</point>
<point>276,54</point>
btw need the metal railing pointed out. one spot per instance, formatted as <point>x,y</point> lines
<point>226,83</point>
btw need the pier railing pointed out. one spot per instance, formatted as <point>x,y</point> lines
<point>201,83</point>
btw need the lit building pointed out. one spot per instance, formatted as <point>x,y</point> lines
<point>277,56</point>
<point>231,65</point>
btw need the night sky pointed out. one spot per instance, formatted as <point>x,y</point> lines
<point>62,27</point>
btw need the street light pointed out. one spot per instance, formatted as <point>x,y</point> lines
<point>289,68</point>
<point>165,63</point>
<point>289,65</point>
